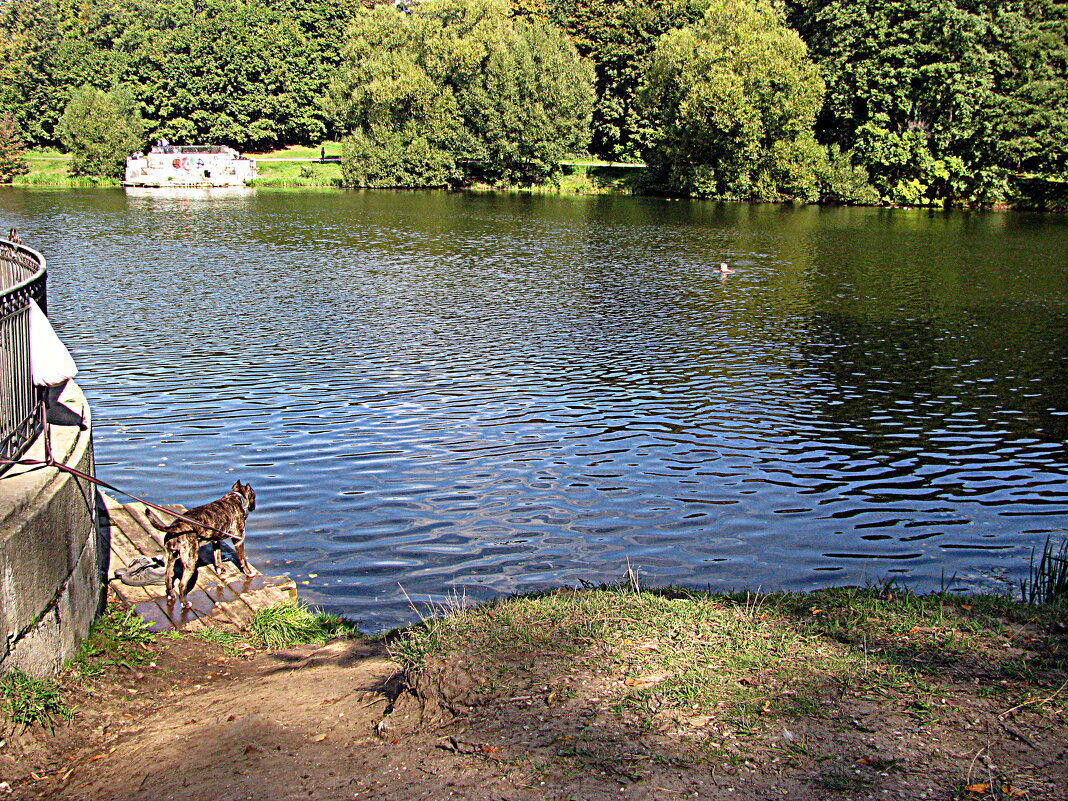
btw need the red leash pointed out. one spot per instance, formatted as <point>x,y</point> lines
<point>50,462</point>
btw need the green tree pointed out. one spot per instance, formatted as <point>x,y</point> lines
<point>100,129</point>
<point>910,91</point>
<point>618,37</point>
<point>455,88</point>
<point>1029,129</point>
<point>248,73</point>
<point>12,157</point>
<point>734,98</point>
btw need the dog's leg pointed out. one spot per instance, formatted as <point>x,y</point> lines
<point>188,554</point>
<point>239,546</point>
<point>216,552</point>
<point>169,571</point>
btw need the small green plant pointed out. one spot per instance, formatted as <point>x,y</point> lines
<point>1048,580</point>
<point>282,626</point>
<point>118,637</point>
<point>227,640</point>
<point>30,701</point>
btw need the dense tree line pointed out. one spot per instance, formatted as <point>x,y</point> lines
<point>247,73</point>
<point>896,101</point>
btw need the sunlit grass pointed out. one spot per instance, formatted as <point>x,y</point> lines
<point>283,626</point>
<point>301,151</point>
<point>296,174</point>
<point>117,638</point>
<point>747,658</point>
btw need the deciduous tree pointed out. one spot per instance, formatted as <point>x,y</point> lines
<point>734,98</point>
<point>100,129</point>
<point>457,87</point>
<point>12,157</point>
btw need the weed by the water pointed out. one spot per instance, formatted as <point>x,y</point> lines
<point>283,626</point>
<point>118,637</point>
<point>1048,580</point>
<point>30,701</point>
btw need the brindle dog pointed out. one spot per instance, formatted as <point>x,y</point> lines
<point>221,519</point>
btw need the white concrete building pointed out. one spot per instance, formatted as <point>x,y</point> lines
<point>189,165</point>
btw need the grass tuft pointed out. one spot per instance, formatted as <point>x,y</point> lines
<point>283,626</point>
<point>227,640</point>
<point>117,638</point>
<point>1048,580</point>
<point>30,701</point>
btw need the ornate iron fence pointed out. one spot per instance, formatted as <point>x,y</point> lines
<point>23,277</point>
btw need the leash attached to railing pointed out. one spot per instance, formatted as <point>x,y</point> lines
<point>51,462</point>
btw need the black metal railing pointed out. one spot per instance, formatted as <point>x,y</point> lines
<point>23,277</point>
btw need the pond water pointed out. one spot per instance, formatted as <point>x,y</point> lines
<point>441,396</point>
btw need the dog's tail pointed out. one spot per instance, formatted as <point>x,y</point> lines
<point>159,524</point>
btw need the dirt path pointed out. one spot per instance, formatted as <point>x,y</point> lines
<point>201,725</point>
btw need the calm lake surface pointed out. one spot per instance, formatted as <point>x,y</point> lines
<point>480,394</point>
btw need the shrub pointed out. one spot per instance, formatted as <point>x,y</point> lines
<point>100,129</point>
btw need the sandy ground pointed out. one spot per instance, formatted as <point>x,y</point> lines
<point>335,722</point>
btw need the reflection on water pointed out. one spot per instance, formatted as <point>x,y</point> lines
<point>490,394</point>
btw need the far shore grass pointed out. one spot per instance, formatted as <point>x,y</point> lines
<point>300,166</point>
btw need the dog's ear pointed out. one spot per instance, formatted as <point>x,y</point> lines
<point>236,487</point>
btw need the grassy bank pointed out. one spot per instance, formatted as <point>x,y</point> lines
<point>48,167</point>
<point>300,166</point>
<point>850,690</point>
<point>594,694</point>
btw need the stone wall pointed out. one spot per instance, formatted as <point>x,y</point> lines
<point>52,556</point>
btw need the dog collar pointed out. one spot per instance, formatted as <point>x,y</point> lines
<point>241,500</point>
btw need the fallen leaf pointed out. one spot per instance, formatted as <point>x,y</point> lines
<point>127,715</point>
<point>748,682</point>
<point>98,756</point>
<point>982,787</point>
<point>37,778</point>
<point>914,629</point>
<point>1015,792</point>
<point>816,610</point>
<point>700,721</point>
<point>966,607</point>
<point>648,680</point>
<point>318,738</point>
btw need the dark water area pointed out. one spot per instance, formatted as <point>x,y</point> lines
<point>466,395</point>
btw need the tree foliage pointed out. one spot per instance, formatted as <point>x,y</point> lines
<point>941,100</point>
<point>247,73</point>
<point>734,98</point>
<point>12,157</point>
<point>100,129</point>
<point>618,37</point>
<point>932,101</point>
<point>452,88</point>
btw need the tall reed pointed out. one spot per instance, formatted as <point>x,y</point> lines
<point>1048,580</point>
